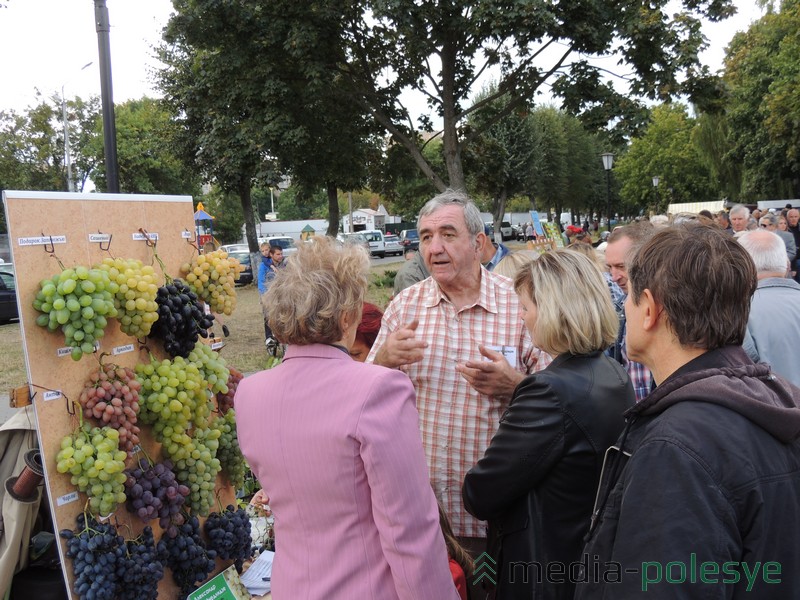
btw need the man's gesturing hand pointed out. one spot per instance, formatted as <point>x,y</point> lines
<point>493,377</point>
<point>401,347</point>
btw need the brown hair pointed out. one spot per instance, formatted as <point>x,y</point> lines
<point>704,280</point>
<point>639,232</point>
<point>454,550</point>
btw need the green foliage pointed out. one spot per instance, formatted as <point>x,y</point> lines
<point>227,211</point>
<point>666,150</point>
<point>147,162</point>
<point>764,113</point>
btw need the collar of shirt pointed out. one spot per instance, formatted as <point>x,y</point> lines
<point>486,299</point>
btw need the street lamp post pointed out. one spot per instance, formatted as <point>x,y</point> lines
<point>67,155</point>
<point>656,179</point>
<point>608,162</point>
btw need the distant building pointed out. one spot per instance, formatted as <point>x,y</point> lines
<point>364,219</point>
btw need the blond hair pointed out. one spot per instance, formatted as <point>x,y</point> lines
<point>321,283</point>
<point>575,313</point>
<point>513,262</point>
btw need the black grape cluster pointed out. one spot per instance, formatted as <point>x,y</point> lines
<point>188,558</point>
<point>153,492</point>
<point>180,319</point>
<point>95,550</point>
<point>228,534</point>
<point>141,568</point>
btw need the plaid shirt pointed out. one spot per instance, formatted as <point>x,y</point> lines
<point>457,423</point>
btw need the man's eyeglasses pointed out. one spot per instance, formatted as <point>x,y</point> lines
<point>765,225</point>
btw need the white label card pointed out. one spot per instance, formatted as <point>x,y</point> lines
<point>67,498</point>
<point>510,353</point>
<point>187,235</point>
<point>52,395</point>
<point>99,237</point>
<point>141,237</point>
<point>66,351</point>
<point>123,349</point>
<point>217,345</point>
<point>45,239</point>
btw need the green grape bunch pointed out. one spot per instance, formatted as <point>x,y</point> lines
<point>212,276</point>
<point>94,460</point>
<point>79,301</point>
<point>135,297</point>
<point>229,454</point>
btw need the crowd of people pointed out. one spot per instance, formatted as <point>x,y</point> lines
<point>585,423</point>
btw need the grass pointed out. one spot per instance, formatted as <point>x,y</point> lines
<point>244,348</point>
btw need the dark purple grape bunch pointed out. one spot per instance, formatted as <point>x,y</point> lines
<point>228,533</point>
<point>188,558</point>
<point>181,319</point>
<point>154,493</point>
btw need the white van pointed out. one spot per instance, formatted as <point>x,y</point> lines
<point>284,241</point>
<point>377,245</point>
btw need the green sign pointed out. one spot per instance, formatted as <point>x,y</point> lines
<point>222,587</point>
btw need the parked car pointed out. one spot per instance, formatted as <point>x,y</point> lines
<point>409,238</point>
<point>8,297</point>
<point>359,239</point>
<point>392,245</point>
<point>284,241</point>
<point>245,276</point>
<point>235,248</point>
<point>375,238</point>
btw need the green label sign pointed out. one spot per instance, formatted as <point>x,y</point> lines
<point>222,587</point>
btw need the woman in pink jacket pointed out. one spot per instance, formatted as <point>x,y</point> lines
<point>336,446</point>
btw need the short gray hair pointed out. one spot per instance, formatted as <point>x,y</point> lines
<point>472,216</point>
<point>767,250</point>
<point>740,208</point>
<point>770,218</point>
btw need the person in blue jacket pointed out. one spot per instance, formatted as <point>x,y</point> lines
<point>271,261</point>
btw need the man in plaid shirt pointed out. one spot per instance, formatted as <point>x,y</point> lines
<point>459,337</point>
<point>622,244</point>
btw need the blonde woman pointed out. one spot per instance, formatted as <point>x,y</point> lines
<point>537,480</point>
<point>337,447</point>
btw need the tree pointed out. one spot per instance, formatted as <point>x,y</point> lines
<point>147,162</point>
<point>666,150</point>
<point>499,159</point>
<point>762,74</point>
<point>250,112</point>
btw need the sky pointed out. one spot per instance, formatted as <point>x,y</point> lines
<point>46,44</point>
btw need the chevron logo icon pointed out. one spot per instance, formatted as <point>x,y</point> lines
<point>485,567</point>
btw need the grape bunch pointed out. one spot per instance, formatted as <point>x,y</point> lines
<point>96,550</point>
<point>180,319</point>
<point>188,558</point>
<point>111,395</point>
<point>199,470</point>
<point>135,297</point>
<point>212,277</point>
<point>225,399</point>
<point>79,301</point>
<point>228,534</point>
<point>172,397</point>
<point>212,368</point>
<point>229,454</point>
<point>93,458</point>
<point>141,568</point>
<point>153,492</point>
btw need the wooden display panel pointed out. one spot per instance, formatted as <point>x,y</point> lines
<point>69,220</point>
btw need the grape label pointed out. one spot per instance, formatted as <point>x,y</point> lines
<point>67,498</point>
<point>99,237</point>
<point>52,395</point>
<point>123,349</point>
<point>142,237</point>
<point>45,239</point>
<point>187,235</point>
<point>61,352</point>
<point>217,345</point>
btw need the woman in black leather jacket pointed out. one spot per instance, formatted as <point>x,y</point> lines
<point>536,483</point>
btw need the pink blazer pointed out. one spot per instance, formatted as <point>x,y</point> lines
<point>336,445</point>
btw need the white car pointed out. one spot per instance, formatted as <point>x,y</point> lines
<point>284,241</point>
<point>235,248</point>
<point>392,245</point>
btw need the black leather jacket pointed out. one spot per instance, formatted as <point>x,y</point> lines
<point>536,484</point>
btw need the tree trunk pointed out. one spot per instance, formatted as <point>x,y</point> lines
<point>249,218</point>
<point>450,142</point>
<point>499,211</point>
<point>333,210</point>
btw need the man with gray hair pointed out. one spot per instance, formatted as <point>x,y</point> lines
<point>740,217</point>
<point>459,337</point>
<point>769,221</point>
<point>773,327</point>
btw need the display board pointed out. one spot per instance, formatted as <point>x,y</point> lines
<point>45,231</point>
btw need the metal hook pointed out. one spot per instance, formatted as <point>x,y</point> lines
<point>148,240</point>
<point>108,243</point>
<point>52,248</point>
